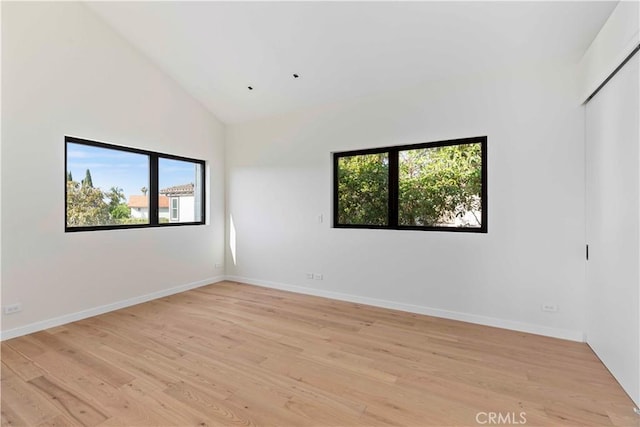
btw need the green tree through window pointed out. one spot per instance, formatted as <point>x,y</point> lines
<point>363,188</point>
<point>439,185</point>
<point>120,187</point>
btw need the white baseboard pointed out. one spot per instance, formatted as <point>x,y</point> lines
<point>566,334</point>
<point>411,308</point>
<point>73,317</point>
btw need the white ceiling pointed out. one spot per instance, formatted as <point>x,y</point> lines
<point>341,50</point>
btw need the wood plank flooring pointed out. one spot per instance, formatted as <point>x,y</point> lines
<point>234,354</point>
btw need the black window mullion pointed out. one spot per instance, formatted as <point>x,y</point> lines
<point>483,193</point>
<point>335,189</point>
<point>203,190</point>
<point>393,188</point>
<point>154,207</point>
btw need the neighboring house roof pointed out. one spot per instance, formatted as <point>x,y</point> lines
<point>179,190</point>
<point>140,201</point>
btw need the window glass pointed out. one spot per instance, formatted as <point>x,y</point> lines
<point>109,186</point>
<point>363,189</point>
<point>440,186</point>
<point>106,187</point>
<point>174,209</point>
<point>180,181</point>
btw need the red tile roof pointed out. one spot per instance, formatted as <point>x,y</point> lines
<point>140,201</point>
<point>179,190</point>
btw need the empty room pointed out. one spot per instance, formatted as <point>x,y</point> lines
<point>320,213</point>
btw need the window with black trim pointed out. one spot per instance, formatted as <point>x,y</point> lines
<point>175,213</point>
<point>111,187</point>
<point>440,186</point>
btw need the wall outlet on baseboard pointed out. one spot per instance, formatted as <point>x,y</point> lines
<point>11,309</point>
<point>310,276</point>
<point>317,276</point>
<point>550,308</point>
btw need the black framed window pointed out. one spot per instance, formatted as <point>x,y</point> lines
<point>440,186</point>
<point>175,209</point>
<point>112,187</point>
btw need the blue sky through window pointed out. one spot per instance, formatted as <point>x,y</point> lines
<point>129,171</point>
<point>175,172</point>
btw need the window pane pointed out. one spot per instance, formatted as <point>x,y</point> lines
<point>441,186</point>
<point>363,189</point>
<point>106,187</point>
<point>180,197</point>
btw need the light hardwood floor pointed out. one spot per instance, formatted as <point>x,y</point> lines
<point>232,354</point>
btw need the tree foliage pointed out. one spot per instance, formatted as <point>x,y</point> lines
<point>118,209</point>
<point>88,206</point>
<point>85,205</point>
<point>435,186</point>
<point>363,189</point>
<point>120,212</point>
<point>87,181</point>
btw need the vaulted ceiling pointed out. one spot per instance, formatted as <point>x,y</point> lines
<point>341,50</point>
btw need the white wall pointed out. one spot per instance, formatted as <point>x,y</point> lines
<point>162,213</point>
<point>615,41</point>
<point>140,213</point>
<point>186,208</point>
<point>279,181</point>
<point>613,192</point>
<point>65,72</point>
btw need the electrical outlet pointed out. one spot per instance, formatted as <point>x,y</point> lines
<point>550,308</point>
<point>11,309</point>
<point>317,276</point>
<point>310,276</point>
<point>320,219</point>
